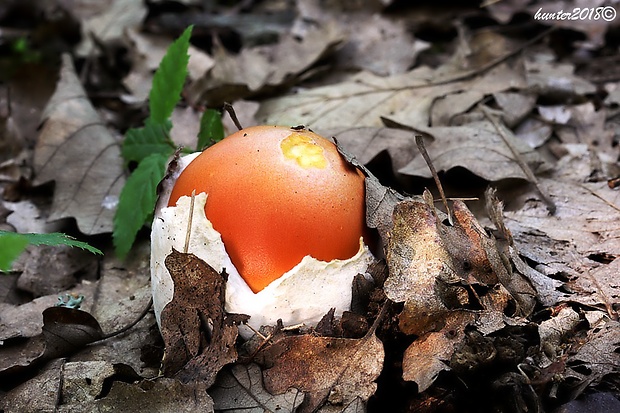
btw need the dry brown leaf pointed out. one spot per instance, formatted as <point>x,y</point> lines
<point>65,330</point>
<point>329,370</point>
<point>598,287</point>
<point>477,147</point>
<point>259,69</point>
<point>434,268</point>
<point>241,389</point>
<point>199,336</point>
<point>365,99</point>
<point>598,357</point>
<point>80,154</point>
<point>430,354</point>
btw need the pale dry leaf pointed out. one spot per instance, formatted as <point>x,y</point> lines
<point>515,106</point>
<point>26,320</point>
<point>160,395</point>
<point>364,99</point>
<point>240,389</point>
<point>478,148</point>
<point>556,80</point>
<point>261,68</point>
<point>598,287</point>
<point>81,155</point>
<point>146,52</point>
<point>588,216</point>
<point>368,143</point>
<point>323,367</point>
<point>48,269</point>
<point>109,23</point>
<point>374,42</point>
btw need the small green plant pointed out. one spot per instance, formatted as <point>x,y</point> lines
<point>151,147</point>
<point>12,244</point>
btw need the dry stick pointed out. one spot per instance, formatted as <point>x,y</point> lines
<point>517,157</point>
<point>429,163</point>
<point>233,115</point>
<point>188,232</point>
<point>120,331</point>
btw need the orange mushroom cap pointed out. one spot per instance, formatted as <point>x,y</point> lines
<point>275,195</point>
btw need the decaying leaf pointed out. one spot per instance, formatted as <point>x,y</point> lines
<point>598,356</point>
<point>40,393</point>
<point>241,389</point>
<point>261,68</point>
<point>478,147</point>
<point>103,386</point>
<point>406,99</point>
<point>368,143</point>
<point>329,370</point>
<point>430,354</point>
<point>74,143</point>
<point>436,269</point>
<point>65,330</point>
<point>373,41</point>
<point>199,336</point>
<point>587,216</point>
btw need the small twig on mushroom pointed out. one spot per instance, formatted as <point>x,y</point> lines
<point>189,222</point>
<point>233,115</point>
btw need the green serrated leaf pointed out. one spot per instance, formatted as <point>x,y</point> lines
<point>152,138</point>
<point>211,129</point>
<point>137,201</point>
<point>169,79</point>
<point>12,244</point>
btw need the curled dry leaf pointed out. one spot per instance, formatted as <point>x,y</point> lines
<point>199,336</point>
<point>65,330</point>
<point>329,370</point>
<point>76,150</point>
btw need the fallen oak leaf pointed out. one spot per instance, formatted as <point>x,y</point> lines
<point>199,336</point>
<point>329,370</point>
<point>79,153</point>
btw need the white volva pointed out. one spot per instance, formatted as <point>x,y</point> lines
<point>302,295</point>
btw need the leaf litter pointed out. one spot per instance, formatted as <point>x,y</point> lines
<point>520,305</point>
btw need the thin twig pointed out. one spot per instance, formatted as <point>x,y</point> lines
<point>551,207</point>
<point>233,115</point>
<point>420,142</point>
<point>144,312</point>
<point>188,232</point>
